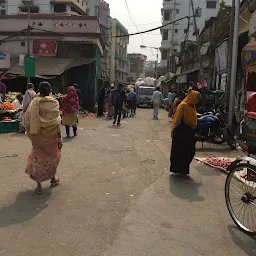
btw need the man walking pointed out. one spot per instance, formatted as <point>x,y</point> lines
<point>118,99</point>
<point>157,99</point>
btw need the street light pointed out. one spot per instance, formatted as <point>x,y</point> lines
<point>157,49</point>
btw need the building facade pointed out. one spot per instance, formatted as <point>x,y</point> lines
<point>136,66</point>
<point>150,68</point>
<point>71,7</point>
<point>174,34</point>
<point>100,9</point>
<point>60,56</point>
<point>118,52</point>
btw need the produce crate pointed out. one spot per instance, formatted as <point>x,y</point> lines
<point>6,127</point>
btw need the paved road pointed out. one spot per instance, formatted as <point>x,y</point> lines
<point>116,198</point>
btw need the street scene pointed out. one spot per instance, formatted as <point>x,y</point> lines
<point>116,197</point>
<point>128,127</point>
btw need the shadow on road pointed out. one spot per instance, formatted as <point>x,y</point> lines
<point>214,149</point>
<point>26,207</point>
<point>243,241</point>
<point>185,189</point>
<point>206,170</point>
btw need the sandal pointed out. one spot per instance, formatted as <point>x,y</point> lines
<point>54,182</point>
<point>39,190</point>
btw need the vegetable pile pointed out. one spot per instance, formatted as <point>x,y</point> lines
<point>7,106</point>
<point>219,162</point>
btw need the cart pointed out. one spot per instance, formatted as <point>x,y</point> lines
<point>240,188</point>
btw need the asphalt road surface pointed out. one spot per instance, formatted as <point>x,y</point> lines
<point>116,197</point>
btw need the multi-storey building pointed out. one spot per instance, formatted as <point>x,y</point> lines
<point>100,9</point>
<point>118,52</point>
<point>71,7</point>
<point>136,66</point>
<point>174,34</point>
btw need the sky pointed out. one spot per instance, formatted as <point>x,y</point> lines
<point>146,14</point>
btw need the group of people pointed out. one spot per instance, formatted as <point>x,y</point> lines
<point>118,103</point>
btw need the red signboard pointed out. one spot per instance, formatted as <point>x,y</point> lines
<point>44,47</point>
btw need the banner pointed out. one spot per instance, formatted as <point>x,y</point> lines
<point>5,62</point>
<point>44,47</point>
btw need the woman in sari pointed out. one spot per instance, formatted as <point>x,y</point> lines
<point>42,123</point>
<point>70,107</point>
<point>183,134</point>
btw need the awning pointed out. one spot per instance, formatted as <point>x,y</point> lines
<point>249,57</point>
<point>50,66</point>
<point>182,78</point>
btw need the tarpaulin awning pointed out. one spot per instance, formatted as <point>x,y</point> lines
<point>182,78</point>
<point>248,57</point>
<point>50,66</point>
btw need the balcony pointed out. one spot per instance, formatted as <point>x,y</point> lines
<point>77,5</point>
<point>168,4</point>
<point>120,57</point>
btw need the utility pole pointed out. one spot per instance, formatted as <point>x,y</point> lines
<point>29,4</point>
<point>197,41</point>
<point>156,64</point>
<point>230,49</point>
<point>234,64</point>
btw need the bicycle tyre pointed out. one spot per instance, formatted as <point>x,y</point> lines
<point>227,197</point>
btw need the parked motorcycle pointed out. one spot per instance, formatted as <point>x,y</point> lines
<point>212,127</point>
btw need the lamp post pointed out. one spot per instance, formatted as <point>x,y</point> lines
<point>157,54</point>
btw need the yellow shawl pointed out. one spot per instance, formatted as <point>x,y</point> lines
<point>43,116</point>
<point>186,111</point>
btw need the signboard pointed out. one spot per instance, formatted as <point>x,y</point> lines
<point>44,47</point>
<point>30,66</point>
<point>202,84</point>
<point>221,56</point>
<point>5,62</point>
<point>223,82</point>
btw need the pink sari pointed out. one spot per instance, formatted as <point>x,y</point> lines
<point>44,158</point>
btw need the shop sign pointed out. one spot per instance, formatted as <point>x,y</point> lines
<point>252,25</point>
<point>223,82</point>
<point>44,47</point>
<point>5,61</point>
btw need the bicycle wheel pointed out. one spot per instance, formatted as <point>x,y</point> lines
<point>240,194</point>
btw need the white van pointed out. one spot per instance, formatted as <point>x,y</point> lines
<point>144,95</point>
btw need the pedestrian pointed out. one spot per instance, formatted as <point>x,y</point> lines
<point>101,101</point>
<point>183,134</point>
<point>181,96</point>
<point>42,123</point>
<point>118,99</point>
<point>30,94</point>
<point>79,94</point>
<point>157,100</point>
<point>70,107</point>
<point>18,102</point>
<point>132,97</point>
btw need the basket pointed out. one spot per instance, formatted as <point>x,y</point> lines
<point>6,127</point>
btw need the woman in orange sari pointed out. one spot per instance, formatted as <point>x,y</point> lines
<point>42,123</point>
<point>183,134</point>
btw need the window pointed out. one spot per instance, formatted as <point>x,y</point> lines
<point>176,31</point>
<point>167,15</point>
<point>3,12</point>
<point>177,11</point>
<point>22,44</point>
<point>59,8</point>
<point>211,4</point>
<point>165,34</point>
<point>185,31</point>
<point>164,54</point>
<point>174,50</point>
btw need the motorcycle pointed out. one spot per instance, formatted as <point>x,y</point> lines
<point>212,127</point>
